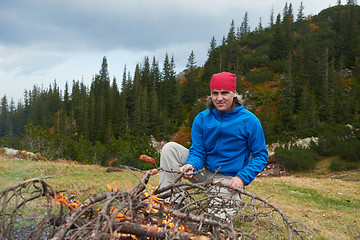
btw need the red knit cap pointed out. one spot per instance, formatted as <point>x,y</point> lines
<point>223,80</point>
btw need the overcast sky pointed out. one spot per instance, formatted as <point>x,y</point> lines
<point>44,40</point>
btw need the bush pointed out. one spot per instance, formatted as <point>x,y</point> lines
<point>260,76</point>
<point>339,166</point>
<point>339,140</point>
<point>295,158</point>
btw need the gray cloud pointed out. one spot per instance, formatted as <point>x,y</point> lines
<point>43,40</point>
<point>104,25</point>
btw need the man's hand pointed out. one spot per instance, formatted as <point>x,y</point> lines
<point>236,182</point>
<point>188,168</point>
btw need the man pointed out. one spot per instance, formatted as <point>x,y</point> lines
<point>225,137</point>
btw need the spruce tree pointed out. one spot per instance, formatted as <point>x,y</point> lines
<point>300,15</point>
<point>244,28</point>
<point>271,22</point>
<point>278,44</point>
<point>154,106</point>
<point>190,88</point>
<point>231,34</point>
<point>4,116</point>
<point>286,104</point>
<point>115,109</point>
<point>145,77</point>
<point>123,98</point>
<point>191,60</point>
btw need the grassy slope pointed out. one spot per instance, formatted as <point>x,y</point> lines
<point>329,206</point>
<point>80,180</point>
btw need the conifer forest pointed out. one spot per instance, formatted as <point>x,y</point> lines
<point>300,75</point>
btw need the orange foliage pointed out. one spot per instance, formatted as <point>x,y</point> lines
<point>40,157</point>
<point>346,84</point>
<point>313,27</point>
<point>309,18</point>
<point>255,69</point>
<point>183,136</point>
<point>52,130</point>
<point>112,161</point>
<point>296,35</point>
<point>247,84</point>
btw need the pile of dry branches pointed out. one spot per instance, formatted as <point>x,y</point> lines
<point>31,210</point>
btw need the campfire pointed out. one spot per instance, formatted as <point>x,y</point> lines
<point>182,210</point>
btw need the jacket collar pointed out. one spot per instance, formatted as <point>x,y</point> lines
<point>222,114</point>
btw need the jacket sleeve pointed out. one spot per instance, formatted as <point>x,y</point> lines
<point>258,150</point>
<point>197,150</point>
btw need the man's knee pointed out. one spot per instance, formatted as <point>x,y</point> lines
<point>173,154</point>
<point>170,146</point>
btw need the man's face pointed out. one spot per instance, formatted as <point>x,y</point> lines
<point>222,99</point>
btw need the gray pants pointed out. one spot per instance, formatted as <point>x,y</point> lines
<point>174,155</point>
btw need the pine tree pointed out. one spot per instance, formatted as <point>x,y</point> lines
<point>67,98</point>
<point>300,15</point>
<point>278,44</point>
<point>191,60</point>
<point>115,110</point>
<point>212,46</point>
<point>259,27</point>
<point>170,96</point>
<point>244,28</point>
<point>99,98</point>
<point>20,118</point>
<point>4,116</point>
<point>231,34</point>
<point>123,98</point>
<point>190,89</point>
<point>351,38</point>
<point>299,75</point>
<point>84,111</point>
<point>288,28</point>
<point>307,113</point>
<point>135,112</point>
<point>11,123</point>
<point>324,94</point>
<point>285,12</point>
<point>145,77</point>
<point>286,104</point>
<point>331,91</point>
<point>271,23</point>
<point>210,67</point>
<point>154,106</point>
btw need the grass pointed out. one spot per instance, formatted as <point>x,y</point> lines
<point>80,180</point>
<point>329,206</point>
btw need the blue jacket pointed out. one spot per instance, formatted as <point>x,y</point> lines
<point>227,140</point>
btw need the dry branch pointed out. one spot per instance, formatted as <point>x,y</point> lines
<point>142,212</point>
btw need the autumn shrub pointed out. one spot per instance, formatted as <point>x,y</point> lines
<point>295,158</point>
